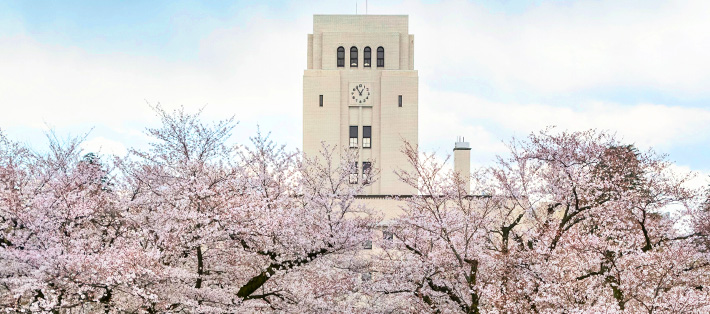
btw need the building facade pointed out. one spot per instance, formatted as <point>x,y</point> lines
<point>360,91</point>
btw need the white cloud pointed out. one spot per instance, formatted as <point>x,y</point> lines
<point>103,146</point>
<point>567,46</point>
<point>699,180</point>
<point>244,71</point>
<point>650,125</point>
<point>444,116</point>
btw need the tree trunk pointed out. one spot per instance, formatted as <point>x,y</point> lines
<point>198,284</point>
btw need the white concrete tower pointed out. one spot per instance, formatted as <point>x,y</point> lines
<point>360,91</point>
<point>462,162</point>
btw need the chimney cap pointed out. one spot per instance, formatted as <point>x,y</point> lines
<point>461,144</point>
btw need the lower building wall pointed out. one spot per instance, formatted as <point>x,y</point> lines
<point>389,207</point>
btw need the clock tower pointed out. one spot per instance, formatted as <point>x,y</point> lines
<point>360,91</point>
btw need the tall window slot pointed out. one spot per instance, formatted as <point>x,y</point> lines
<point>353,57</point>
<point>380,57</point>
<point>353,136</point>
<point>320,100</point>
<point>367,245</point>
<point>400,100</point>
<point>367,57</point>
<point>366,136</point>
<point>341,57</point>
<point>353,174</point>
<point>366,169</point>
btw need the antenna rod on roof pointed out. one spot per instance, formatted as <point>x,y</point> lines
<point>365,7</point>
<point>355,7</point>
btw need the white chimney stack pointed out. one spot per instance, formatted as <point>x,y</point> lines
<point>462,161</point>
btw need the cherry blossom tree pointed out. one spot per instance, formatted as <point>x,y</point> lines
<point>444,255</point>
<point>701,224</point>
<point>243,227</point>
<point>64,244</point>
<point>569,222</point>
<point>190,225</point>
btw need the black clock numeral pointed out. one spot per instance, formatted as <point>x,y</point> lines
<point>359,85</point>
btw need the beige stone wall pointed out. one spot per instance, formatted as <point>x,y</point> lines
<point>388,206</point>
<point>398,124</point>
<point>319,123</point>
<point>389,31</point>
<point>391,124</point>
<point>462,165</point>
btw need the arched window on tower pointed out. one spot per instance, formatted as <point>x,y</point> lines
<point>341,57</point>
<point>353,57</point>
<point>380,57</point>
<point>367,57</point>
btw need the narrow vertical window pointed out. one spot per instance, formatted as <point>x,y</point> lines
<point>366,137</point>
<point>341,57</point>
<point>367,245</point>
<point>380,57</point>
<point>366,170</point>
<point>367,57</point>
<point>400,100</point>
<point>353,136</point>
<point>320,100</point>
<point>353,174</point>
<point>353,57</point>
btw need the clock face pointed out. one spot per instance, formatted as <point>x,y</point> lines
<point>360,94</point>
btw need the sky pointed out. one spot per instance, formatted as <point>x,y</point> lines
<point>488,70</point>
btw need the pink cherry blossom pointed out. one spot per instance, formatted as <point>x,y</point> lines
<point>568,222</point>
